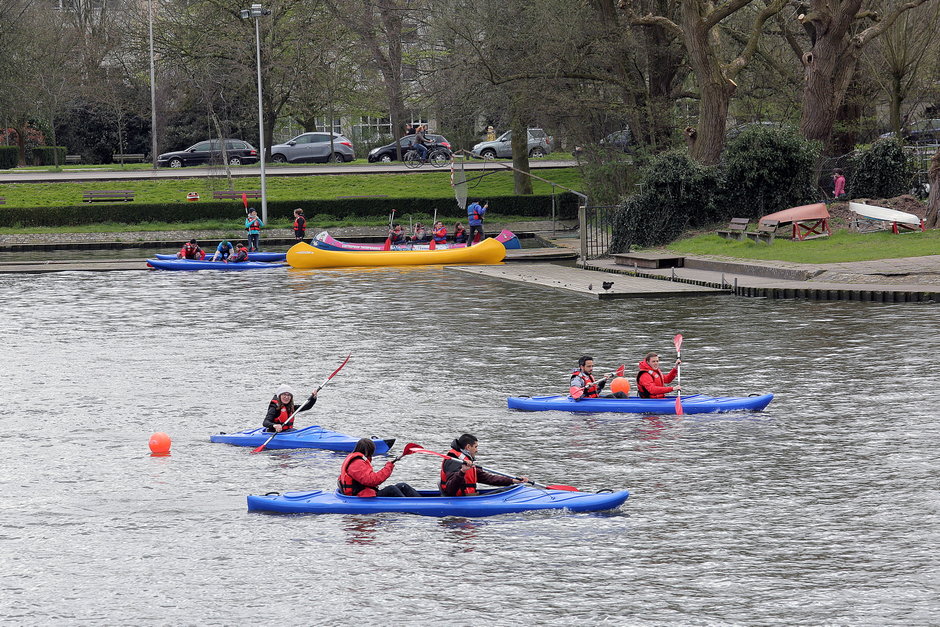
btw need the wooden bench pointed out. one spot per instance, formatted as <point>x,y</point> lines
<point>108,196</point>
<point>135,156</point>
<point>73,158</point>
<point>765,231</point>
<point>376,196</point>
<point>735,229</point>
<point>3,201</point>
<point>224,195</point>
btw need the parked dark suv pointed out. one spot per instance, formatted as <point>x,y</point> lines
<point>387,153</point>
<point>922,132</point>
<point>210,151</point>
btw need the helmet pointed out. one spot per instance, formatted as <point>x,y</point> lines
<point>284,389</point>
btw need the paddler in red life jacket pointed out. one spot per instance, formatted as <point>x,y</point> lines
<point>650,381</point>
<point>356,477</point>
<point>459,476</point>
<point>191,250</point>
<point>241,254</point>
<point>281,409</point>
<point>439,233</point>
<point>584,385</point>
<point>300,224</point>
<point>396,236</point>
<point>460,234</point>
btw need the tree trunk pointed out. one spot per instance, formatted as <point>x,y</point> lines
<point>932,218</point>
<point>522,182</point>
<point>707,139</point>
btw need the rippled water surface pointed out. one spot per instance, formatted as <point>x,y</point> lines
<point>821,510</point>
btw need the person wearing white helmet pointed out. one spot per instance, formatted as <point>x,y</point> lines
<point>281,409</point>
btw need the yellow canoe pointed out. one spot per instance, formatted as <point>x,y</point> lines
<point>303,255</point>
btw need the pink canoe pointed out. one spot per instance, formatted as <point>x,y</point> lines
<point>325,241</point>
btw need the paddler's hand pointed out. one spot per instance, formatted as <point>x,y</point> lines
<point>278,427</point>
<point>678,361</point>
<point>520,480</point>
<point>314,394</point>
<point>676,388</point>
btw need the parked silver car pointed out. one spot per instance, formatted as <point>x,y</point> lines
<point>314,147</point>
<point>540,144</point>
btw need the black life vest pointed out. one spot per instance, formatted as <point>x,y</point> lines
<point>300,223</point>
<point>469,477</point>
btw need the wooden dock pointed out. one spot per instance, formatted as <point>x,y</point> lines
<point>588,282</point>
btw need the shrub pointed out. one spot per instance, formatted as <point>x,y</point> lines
<point>880,171</point>
<point>767,169</point>
<point>134,213</point>
<point>8,157</point>
<point>46,155</point>
<point>676,193</point>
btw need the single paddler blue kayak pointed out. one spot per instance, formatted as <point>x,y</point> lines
<point>520,498</point>
<point>692,404</point>
<point>313,436</point>
<point>255,256</point>
<point>196,264</point>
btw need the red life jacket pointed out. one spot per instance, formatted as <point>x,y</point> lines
<point>254,226</point>
<point>300,223</point>
<point>284,417</point>
<point>348,485</point>
<point>190,251</point>
<point>589,392</point>
<point>440,235</point>
<point>657,375</point>
<point>470,476</point>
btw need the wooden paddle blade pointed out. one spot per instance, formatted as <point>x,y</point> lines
<point>679,411</point>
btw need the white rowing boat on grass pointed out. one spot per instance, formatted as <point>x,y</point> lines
<point>893,217</point>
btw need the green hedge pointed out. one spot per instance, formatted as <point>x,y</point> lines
<point>8,157</point>
<point>45,155</point>
<point>133,213</point>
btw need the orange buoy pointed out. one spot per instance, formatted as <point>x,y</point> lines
<point>620,384</point>
<point>160,443</point>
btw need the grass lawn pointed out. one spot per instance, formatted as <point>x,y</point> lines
<point>426,183</point>
<point>842,246</point>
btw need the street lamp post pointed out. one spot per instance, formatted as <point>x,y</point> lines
<point>153,91</point>
<point>256,11</point>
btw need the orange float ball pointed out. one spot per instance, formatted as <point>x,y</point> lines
<point>620,384</point>
<point>160,443</point>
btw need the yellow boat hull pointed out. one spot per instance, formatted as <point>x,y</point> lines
<point>303,255</point>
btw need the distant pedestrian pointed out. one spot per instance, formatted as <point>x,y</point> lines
<point>253,225</point>
<point>490,134</point>
<point>409,129</point>
<point>475,213</point>
<point>838,184</point>
<point>300,224</point>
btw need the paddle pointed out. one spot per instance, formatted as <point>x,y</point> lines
<point>388,240</point>
<point>291,418</point>
<point>411,447</point>
<point>678,342</point>
<point>579,392</point>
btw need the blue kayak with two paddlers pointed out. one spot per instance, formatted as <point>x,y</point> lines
<point>691,404</point>
<point>515,499</point>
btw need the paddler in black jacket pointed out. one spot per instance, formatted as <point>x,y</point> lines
<point>459,476</point>
<point>281,409</point>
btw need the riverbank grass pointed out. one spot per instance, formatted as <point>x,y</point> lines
<point>842,246</point>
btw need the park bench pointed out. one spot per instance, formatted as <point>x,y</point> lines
<point>73,158</point>
<point>107,196</point>
<point>375,196</point>
<point>3,201</point>
<point>765,231</point>
<point>225,195</point>
<point>735,229</point>
<point>136,156</point>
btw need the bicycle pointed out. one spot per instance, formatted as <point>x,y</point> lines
<point>437,157</point>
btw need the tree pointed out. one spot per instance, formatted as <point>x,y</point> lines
<point>837,35</point>
<point>933,201</point>
<point>698,22</point>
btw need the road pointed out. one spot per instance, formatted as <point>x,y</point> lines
<point>78,175</point>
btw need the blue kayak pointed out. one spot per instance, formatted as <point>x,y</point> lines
<point>313,436</point>
<point>255,256</point>
<point>692,404</point>
<point>520,498</point>
<point>196,264</point>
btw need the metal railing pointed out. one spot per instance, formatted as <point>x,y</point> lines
<point>596,222</point>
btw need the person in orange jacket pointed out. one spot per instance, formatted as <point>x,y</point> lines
<point>356,477</point>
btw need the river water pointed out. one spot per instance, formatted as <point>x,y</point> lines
<point>821,510</point>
